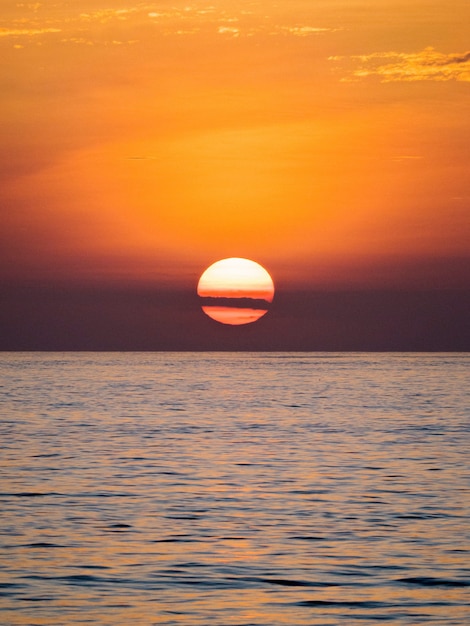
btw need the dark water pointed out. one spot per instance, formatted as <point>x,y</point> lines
<point>234,489</point>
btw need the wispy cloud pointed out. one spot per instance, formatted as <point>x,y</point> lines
<point>85,27</point>
<point>105,15</point>
<point>426,65</point>
<point>228,30</point>
<point>225,23</point>
<point>305,31</point>
<point>407,158</point>
<point>34,6</point>
<point>28,32</point>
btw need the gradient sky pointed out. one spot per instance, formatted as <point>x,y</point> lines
<point>326,139</point>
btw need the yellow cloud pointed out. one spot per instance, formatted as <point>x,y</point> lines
<point>305,31</point>
<point>84,26</point>
<point>228,30</point>
<point>104,15</point>
<point>21,32</point>
<point>428,64</point>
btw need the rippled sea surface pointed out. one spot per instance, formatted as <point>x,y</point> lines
<point>234,488</point>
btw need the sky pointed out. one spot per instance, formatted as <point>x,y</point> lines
<point>143,141</point>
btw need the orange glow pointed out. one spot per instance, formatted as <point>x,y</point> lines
<point>236,278</point>
<point>240,280</point>
<point>232,315</point>
<point>143,141</point>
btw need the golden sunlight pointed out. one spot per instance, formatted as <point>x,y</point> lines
<point>235,291</point>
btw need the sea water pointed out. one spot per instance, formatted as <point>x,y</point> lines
<point>234,488</point>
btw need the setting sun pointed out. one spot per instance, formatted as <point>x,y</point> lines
<point>243,286</point>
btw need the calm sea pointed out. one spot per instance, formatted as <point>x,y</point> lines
<point>239,489</point>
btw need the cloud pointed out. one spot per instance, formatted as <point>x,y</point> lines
<point>105,15</point>
<point>426,65</point>
<point>34,6</point>
<point>228,30</point>
<point>85,26</point>
<point>305,31</point>
<point>28,32</point>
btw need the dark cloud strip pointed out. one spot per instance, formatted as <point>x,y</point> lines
<point>61,318</point>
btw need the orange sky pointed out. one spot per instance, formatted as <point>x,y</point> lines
<point>327,140</point>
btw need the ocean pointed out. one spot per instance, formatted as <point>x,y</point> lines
<point>247,489</point>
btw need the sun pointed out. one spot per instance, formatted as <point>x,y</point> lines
<point>235,291</point>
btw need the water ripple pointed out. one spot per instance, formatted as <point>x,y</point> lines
<point>235,489</point>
